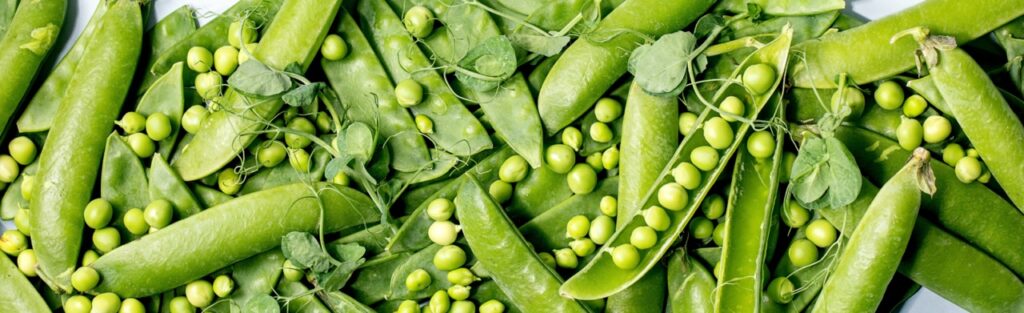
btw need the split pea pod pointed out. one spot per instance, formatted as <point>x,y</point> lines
<point>878,242</point>
<point>70,159</point>
<point>29,37</point>
<point>19,295</point>
<point>293,37</point>
<point>818,66</point>
<point>594,62</point>
<point>227,233</point>
<point>650,129</point>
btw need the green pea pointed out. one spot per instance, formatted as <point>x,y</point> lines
<point>673,196</point>
<point>98,213</point>
<point>686,175</point>
<point>968,169</point>
<point>199,59</point>
<point>971,152</point>
<point>89,257</point>
<point>802,252</point>
<point>449,258</point>
<point>107,302</point>
<point>718,133</point>
<point>761,144</point>
<point>13,242</point>
<point>582,247</point>
<point>795,215</point>
<point>241,32</point>
<point>334,48</point>
<point>135,221</point>
<point>781,290</point>
<point>657,218</point>
<point>952,153</point>
<point>687,123</point>
<point>463,307</point>
<point>572,137</point>
<point>458,293</point>
<point>303,126</point>
<point>577,227</point>
<point>719,270</point>
<point>718,235</point>
<point>181,305</point>
<point>132,122</point>
<point>500,191</point>
<point>600,132</point>
<point>492,306</point>
<point>409,92</point>
<point>461,276</point>
<point>443,232</point>
<point>132,305</point>
<point>424,124</point>
<point>788,158</point>
<point>701,228</point>
<point>22,221</point>
<point>566,258</point>
<point>853,101</point>
<point>193,118</point>
<point>209,84</point>
<point>889,95</point>
<point>106,239</point>
<point>323,122</point>
<point>609,205</point>
<point>417,280</point>
<point>228,181</point>
<point>159,213</point>
<point>595,161</point>
<point>419,21</point>
<point>85,279</point>
<point>340,179</point>
<point>560,158</point>
<point>625,256</point>
<point>158,126</point>
<point>547,259</point>
<point>440,209</point>
<point>582,179</point>
<point>601,229</point>
<point>408,306</point>
<point>225,60</point>
<point>22,149</point>
<point>732,107</point>
<point>643,237</point>
<point>271,153</point>
<point>27,262</point>
<point>914,106</point>
<point>291,272</point>
<point>607,110</point>
<point>985,177</point>
<point>142,145</point>
<point>759,78</point>
<point>713,206</point>
<point>821,233</point>
<point>936,129</point>
<point>77,304</point>
<point>610,158</point>
<point>514,169</point>
<point>439,302</point>
<point>299,160</point>
<point>909,134</point>
<point>704,158</point>
<point>223,285</point>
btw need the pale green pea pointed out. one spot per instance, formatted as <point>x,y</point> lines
<point>424,124</point>
<point>625,256</point>
<point>271,153</point>
<point>936,129</point>
<point>952,153</point>
<point>686,175</point>
<point>657,218</point>
<point>440,209</point>
<point>713,206</point>
<point>225,60</point>
<point>643,237</point>
<point>459,292</point>
<point>323,122</point>
<point>759,78</point>
<point>439,302</point>
<point>463,307</point>
<point>132,122</point>
<point>968,169</point>
<point>610,158</point>
<point>208,85</point>
<point>408,306</point>
<point>158,126</point>
<point>199,59</point>
<point>106,239</point>
<point>600,132</point>
<point>889,95</point>
<point>449,258</point>
<point>582,247</point>
<point>572,137</point>
<point>582,179</point>
<point>607,110</point>
<point>89,257</point>
<point>443,232</point>
<point>199,293</point>
<point>85,279</point>
<point>914,106</point>
<point>701,228</point>
<point>704,158</point>
<point>132,305</point>
<point>595,161</point>
<point>795,215</point>
<point>781,290</point>
<point>291,272</point>
<point>77,304</point>
<point>853,100</point>
<point>334,48</point>
<point>98,213</point>
<point>821,233</point>
<point>761,144</point>
<point>718,236</point>
<point>417,280</point>
<point>142,145</point>
<point>461,276</point>
<point>228,181</point>
<point>972,153</point>
<point>22,149</point>
<point>193,118</point>
<point>21,221</point>
<point>241,32</point>
<point>732,107</point>
<point>500,191</point>
<point>492,306</point>
<point>514,169</point>
<point>687,123</point>
<point>245,53</point>
<point>409,92</point>
<point>107,302</point>
<point>577,227</point>
<point>985,177</point>
<point>13,242</point>
<point>560,158</point>
<point>28,262</point>
<point>305,128</point>
<point>609,205</point>
<point>909,134</point>
<point>181,305</point>
<point>299,160</point>
<point>672,196</point>
<point>601,229</point>
<point>223,285</point>
<point>718,133</point>
<point>566,258</point>
<point>341,179</point>
<point>159,213</point>
<point>547,259</point>
<point>419,21</point>
<point>135,221</point>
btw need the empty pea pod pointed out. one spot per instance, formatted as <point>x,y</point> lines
<point>691,287</point>
<point>19,295</point>
<point>31,33</point>
<point>123,179</point>
<point>650,129</point>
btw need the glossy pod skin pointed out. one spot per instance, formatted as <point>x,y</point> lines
<point>70,159</point>
<point>122,177</point>
<point>492,237</point>
<point>691,287</point>
<point>19,295</point>
<point>293,37</point>
<point>168,31</point>
<point>227,233</point>
<point>646,295</point>
<point>167,96</point>
<point>27,41</point>
<point>650,130</point>
<point>820,66</point>
<point>593,63</point>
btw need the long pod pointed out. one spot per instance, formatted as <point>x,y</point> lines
<point>26,43</point>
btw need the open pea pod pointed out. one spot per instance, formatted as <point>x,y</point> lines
<point>591,146</point>
<point>489,290</point>
<point>284,174</point>
<point>602,277</point>
<point>372,282</point>
<point>167,96</point>
<point>422,259</point>
<point>538,192</point>
<point>123,179</point>
<point>808,280</point>
<point>254,276</point>
<point>691,287</point>
<point>646,295</point>
<point>169,186</point>
<point>12,200</point>
<point>547,231</point>
<point>492,237</point>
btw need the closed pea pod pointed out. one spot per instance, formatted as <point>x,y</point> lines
<point>27,41</point>
<point>690,285</point>
<point>649,132</point>
<point>19,295</point>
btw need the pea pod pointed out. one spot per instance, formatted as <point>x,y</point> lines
<point>26,43</point>
<point>422,259</point>
<point>294,37</point>
<point>253,277</point>
<point>170,187</point>
<point>301,300</point>
<point>210,197</point>
<point>547,231</point>
<point>340,302</point>
<point>372,282</point>
<point>646,295</point>
<point>284,174</point>
<point>70,159</point>
<point>123,179</point>
<point>650,129</point>
<point>171,29</point>
<point>819,67</point>
<point>13,200</point>
<point>592,64</point>
<point>167,96</point>
<point>538,192</point>
<point>372,238</point>
<point>691,286</point>
<point>492,237</point>
<point>805,27</point>
<point>214,238</point>
<point>601,277</point>
<point>19,295</point>
<point>7,10</point>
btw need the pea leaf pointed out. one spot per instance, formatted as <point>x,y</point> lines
<point>660,68</point>
<point>809,171</point>
<point>488,64</point>
<point>303,95</point>
<point>825,174</point>
<point>544,45</point>
<point>349,257</point>
<point>257,79</point>
<point>262,303</point>
<point>359,143</point>
<point>303,250</point>
<point>707,24</point>
<point>844,173</point>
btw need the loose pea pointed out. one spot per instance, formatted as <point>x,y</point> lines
<point>713,206</point>
<point>577,227</point>
<point>821,233</point>
<point>560,158</point>
<point>241,32</point>
<point>625,256</point>
<point>607,110</point>
<point>968,169</point>
<point>781,290</point>
<point>408,306</point>
<point>686,175</point>
<point>458,293</point>
<point>582,247</point>
<point>500,191</point>
<point>419,21</point>
<point>107,302</point>
<point>657,218</point>
<point>409,92</point>
<point>795,215</point>
<point>141,145</point>
<point>303,126</point>
<point>853,100</point>
<point>761,144</point>
<point>514,169</point>
<point>158,213</point>
<point>106,239</point>
<point>600,132</point>
<point>334,48</point>
<point>788,158</point>
<point>909,134</point>
<point>547,259</point>
<point>449,258</point>
<point>225,60</point>
<point>985,177</point>
<point>13,242</point>
<point>732,107</point>
<point>443,232</point>
<point>718,133</point>
<point>672,196</point>
<point>572,137</point>
<point>643,237</point>
<point>21,221</point>
<point>223,285</point>
<point>299,160</point>
<point>461,276</point>
<point>971,152</point>
<point>424,124</point>
<point>439,302</point>
<point>463,307</point>
<point>704,158</point>
<point>610,158</point>
<point>22,149</point>
<point>492,306</point>
<point>759,78</point>
<point>98,213</point>
<point>208,85</point>
<point>914,106</point>
<point>291,272</point>
<point>158,126</point>
<point>718,271</point>
<point>702,228</point>
<point>77,304</point>
<point>271,153</point>
<point>566,258</point>
<point>718,235</point>
<point>595,161</point>
<point>601,229</point>
<point>199,59</point>
<point>193,118</point>
<point>323,122</point>
<point>687,123</point>
<point>440,209</point>
<point>952,153</point>
<point>89,257</point>
<point>132,122</point>
<point>340,179</point>
<point>889,95</point>
<point>228,181</point>
<point>27,262</point>
<point>582,179</point>
<point>609,205</point>
<point>936,129</point>
<point>246,51</point>
<point>802,252</point>
<point>417,280</point>
<point>85,279</point>
<point>181,305</point>
<point>135,221</point>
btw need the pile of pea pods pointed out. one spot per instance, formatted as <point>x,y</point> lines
<point>511,156</point>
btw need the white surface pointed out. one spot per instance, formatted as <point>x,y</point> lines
<point>80,11</point>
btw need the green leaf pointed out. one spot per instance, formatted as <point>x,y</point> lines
<point>707,24</point>
<point>294,68</point>
<point>544,45</point>
<point>257,79</point>
<point>359,143</point>
<point>660,68</point>
<point>303,95</point>
<point>303,250</point>
<point>262,303</point>
<point>810,171</point>
<point>488,64</point>
<point>845,175</point>
<point>346,251</point>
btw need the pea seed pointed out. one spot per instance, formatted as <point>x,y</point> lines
<point>408,306</point>
<point>686,175</point>
<point>334,48</point>
<point>607,110</point>
<point>199,59</point>
<point>595,161</point>
<point>657,218</point>
<point>461,276</point>
<point>972,153</point>
<point>500,191</point>
<point>13,242</point>
<point>914,106</point>
<point>643,237</point>
<point>672,196</point>
<point>759,78</point>
<point>566,258</point>
<point>98,213</point>
<point>291,272</point>
<point>821,233</point>
<point>159,213</point>
<point>601,229</point>
<point>600,132</point>
<point>514,169</point>
<point>795,215</point>
<point>409,93</point>
<point>223,285</point>
<point>132,305</point>
<point>582,179</point>
<point>625,256</point>
<point>909,134</point>
<point>228,181</point>
<point>77,304</point>
<point>463,307</point>
<point>305,128</point>
<point>609,205</point>
<point>246,51</point>
<point>701,228</point>
<point>340,179</point>
<point>209,84</point>
<point>968,169</point>
<point>199,293</point>
<point>449,258</point>
<point>788,158</point>
<point>241,32</point>
<point>271,153</point>
<point>560,158</point>
<point>135,221</point>
<point>21,221</point>
<point>225,60</point>
<point>458,293</point>
<point>952,153</point>
<point>141,145</point>
<point>106,239</point>
<point>704,158</point>
<point>718,133</point>
<point>889,95</point>
<point>852,102</point>
<point>802,252</point>
<point>936,129</point>
<point>732,107</point>
<point>572,137</point>
<point>193,118</point>
<point>781,290</point>
<point>713,206</point>
<point>440,209</point>
<point>22,149</point>
<point>547,259</point>
<point>577,227</point>
<point>89,257</point>
<point>443,232</point>
<point>419,21</point>
<point>27,262</point>
<point>985,177</point>
<point>439,302</point>
<point>582,247</point>
<point>424,124</point>
<point>181,305</point>
<point>492,306</point>
<point>610,158</point>
<point>85,279</point>
<point>761,144</point>
<point>718,235</point>
<point>299,160</point>
<point>417,280</point>
<point>687,123</point>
